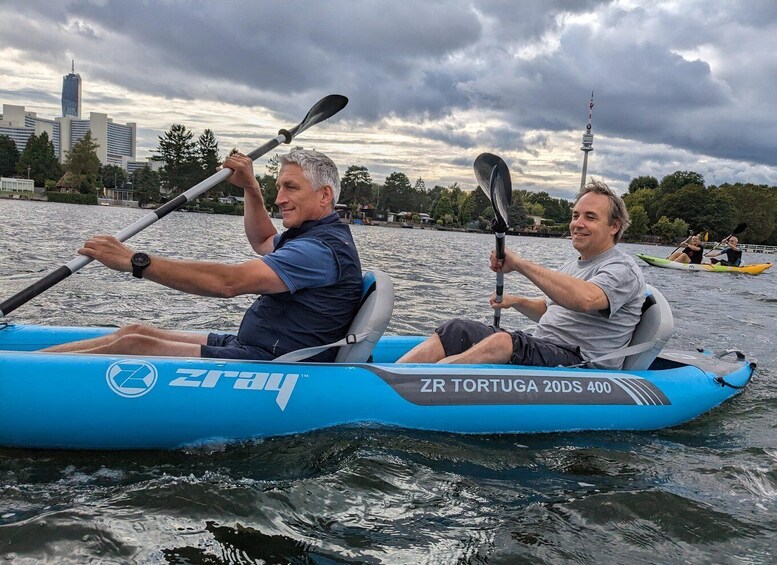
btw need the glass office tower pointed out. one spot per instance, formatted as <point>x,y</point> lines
<point>71,93</point>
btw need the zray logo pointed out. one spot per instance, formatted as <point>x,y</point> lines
<point>131,379</point>
<point>243,380</point>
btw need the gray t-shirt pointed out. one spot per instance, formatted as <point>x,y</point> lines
<point>604,331</point>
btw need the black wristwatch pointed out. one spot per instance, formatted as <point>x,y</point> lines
<point>139,262</point>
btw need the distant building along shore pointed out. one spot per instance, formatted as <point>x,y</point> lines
<point>117,142</point>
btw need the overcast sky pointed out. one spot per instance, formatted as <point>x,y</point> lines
<point>685,85</point>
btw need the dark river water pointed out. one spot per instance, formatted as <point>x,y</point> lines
<point>705,492</point>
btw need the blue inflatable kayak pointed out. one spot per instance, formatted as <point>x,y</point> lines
<point>75,401</point>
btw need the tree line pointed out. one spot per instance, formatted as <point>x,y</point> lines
<point>681,204</point>
<point>186,160</point>
<point>80,172</point>
<point>673,208</point>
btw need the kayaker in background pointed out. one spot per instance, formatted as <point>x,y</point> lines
<point>591,304</point>
<point>733,253</point>
<point>309,277</point>
<point>693,252</point>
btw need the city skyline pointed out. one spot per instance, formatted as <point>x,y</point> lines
<point>679,86</point>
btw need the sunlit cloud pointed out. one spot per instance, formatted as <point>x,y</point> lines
<point>678,86</point>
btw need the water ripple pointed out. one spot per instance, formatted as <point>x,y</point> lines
<point>700,493</point>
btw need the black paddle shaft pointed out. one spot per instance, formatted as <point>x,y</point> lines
<point>320,111</point>
<point>493,178</point>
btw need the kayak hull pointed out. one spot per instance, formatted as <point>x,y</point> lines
<point>756,269</point>
<point>73,401</point>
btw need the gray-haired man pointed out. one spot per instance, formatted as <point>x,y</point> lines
<point>309,278</point>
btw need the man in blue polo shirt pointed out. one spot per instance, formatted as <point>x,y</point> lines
<point>309,277</point>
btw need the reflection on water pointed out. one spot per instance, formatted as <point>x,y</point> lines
<point>704,492</point>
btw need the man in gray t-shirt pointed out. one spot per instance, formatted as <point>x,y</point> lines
<point>591,307</point>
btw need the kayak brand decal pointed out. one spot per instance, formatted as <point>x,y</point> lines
<point>523,387</point>
<point>282,383</point>
<point>131,379</point>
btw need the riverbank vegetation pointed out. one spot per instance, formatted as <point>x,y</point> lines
<point>681,204</point>
<point>667,210</point>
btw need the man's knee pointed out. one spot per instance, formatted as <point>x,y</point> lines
<point>132,341</point>
<point>501,342</point>
<point>133,329</point>
<point>457,335</point>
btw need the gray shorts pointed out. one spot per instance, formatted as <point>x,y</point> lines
<point>458,335</point>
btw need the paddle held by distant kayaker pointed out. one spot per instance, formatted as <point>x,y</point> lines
<point>692,253</point>
<point>733,253</point>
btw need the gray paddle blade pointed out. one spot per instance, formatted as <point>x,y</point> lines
<point>493,178</point>
<point>322,110</point>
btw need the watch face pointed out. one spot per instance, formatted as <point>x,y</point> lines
<point>141,260</point>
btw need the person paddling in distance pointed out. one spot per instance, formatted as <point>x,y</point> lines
<point>733,253</point>
<point>591,304</point>
<point>309,277</point>
<point>693,252</point>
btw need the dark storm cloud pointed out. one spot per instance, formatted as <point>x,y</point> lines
<point>696,77</point>
<point>31,96</point>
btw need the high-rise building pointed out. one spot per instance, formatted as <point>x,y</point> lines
<point>71,93</point>
<point>20,125</point>
<point>116,142</point>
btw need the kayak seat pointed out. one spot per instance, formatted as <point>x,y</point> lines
<point>372,318</point>
<point>655,326</point>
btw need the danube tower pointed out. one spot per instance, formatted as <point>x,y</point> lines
<point>71,93</point>
<point>588,141</point>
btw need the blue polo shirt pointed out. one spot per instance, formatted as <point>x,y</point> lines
<point>303,263</point>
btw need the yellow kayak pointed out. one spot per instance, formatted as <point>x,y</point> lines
<point>756,269</point>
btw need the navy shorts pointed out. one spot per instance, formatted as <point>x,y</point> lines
<point>227,346</point>
<point>458,335</point>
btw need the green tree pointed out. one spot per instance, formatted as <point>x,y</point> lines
<point>687,202</point>
<point>180,165</point>
<point>757,205</point>
<point>395,194</point>
<point>420,196</point>
<point>356,186</point>
<point>646,199</point>
<point>112,176</point>
<point>670,230</point>
<point>639,223</point>
<point>535,209</point>
<point>517,213</point>
<point>474,205</point>
<point>457,198</point>
<point>207,153</point>
<point>9,156</point>
<point>83,164</point>
<point>642,183</point>
<point>442,207</point>
<point>679,179</point>
<point>273,165</point>
<point>145,185</point>
<point>269,186</point>
<point>38,160</point>
<point>701,208</point>
<point>556,209</point>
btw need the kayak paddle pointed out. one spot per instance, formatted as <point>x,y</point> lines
<point>493,178</point>
<point>686,240</point>
<point>321,111</point>
<point>737,230</point>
